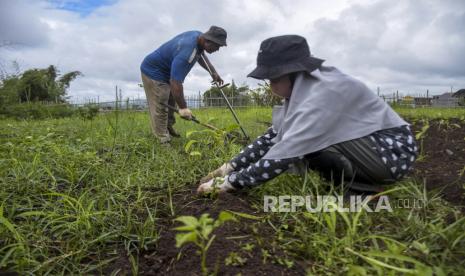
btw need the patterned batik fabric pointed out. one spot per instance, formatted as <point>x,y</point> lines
<point>249,167</point>
<point>397,148</point>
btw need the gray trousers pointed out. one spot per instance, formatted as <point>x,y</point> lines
<point>355,160</point>
<point>157,94</point>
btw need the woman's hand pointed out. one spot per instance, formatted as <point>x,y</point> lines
<point>225,169</point>
<point>218,184</point>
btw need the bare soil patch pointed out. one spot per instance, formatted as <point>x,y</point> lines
<point>442,169</point>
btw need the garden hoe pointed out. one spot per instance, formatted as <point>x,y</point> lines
<point>227,102</point>
<point>229,136</point>
<point>193,119</point>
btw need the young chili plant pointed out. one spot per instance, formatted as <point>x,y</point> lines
<point>199,232</point>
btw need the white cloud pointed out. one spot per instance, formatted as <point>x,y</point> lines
<point>407,45</point>
<point>19,24</point>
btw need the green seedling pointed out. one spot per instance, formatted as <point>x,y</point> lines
<point>217,181</point>
<point>199,232</point>
<point>265,255</point>
<point>234,259</point>
<point>203,141</point>
<point>208,140</point>
<point>213,194</point>
<point>285,262</point>
<point>420,137</point>
<point>248,247</point>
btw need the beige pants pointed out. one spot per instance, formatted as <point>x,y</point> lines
<point>160,116</point>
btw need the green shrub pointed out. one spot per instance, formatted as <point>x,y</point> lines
<point>88,111</point>
<point>28,111</point>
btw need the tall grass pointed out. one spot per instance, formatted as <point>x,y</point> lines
<point>424,239</point>
<point>76,194</point>
<point>73,193</point>
<point>431,112</point>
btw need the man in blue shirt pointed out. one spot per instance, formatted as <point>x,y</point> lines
<point>164,70</point>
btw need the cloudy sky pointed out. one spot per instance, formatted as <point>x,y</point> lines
<point>405,45</point>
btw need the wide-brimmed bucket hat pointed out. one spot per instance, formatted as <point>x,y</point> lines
<point>282,55</point>
<point>217,35</point>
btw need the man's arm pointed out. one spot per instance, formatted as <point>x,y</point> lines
<point>179,70</point>
<point>177,91</point>
<point>216,77</point>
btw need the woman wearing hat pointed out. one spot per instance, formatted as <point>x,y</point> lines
<point>329,121</point>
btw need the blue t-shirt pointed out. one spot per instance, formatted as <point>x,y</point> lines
<point>174,59</point>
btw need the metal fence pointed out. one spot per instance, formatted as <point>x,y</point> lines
<point>199,101</point>
<point>445,101</point>
<point>193,102</point>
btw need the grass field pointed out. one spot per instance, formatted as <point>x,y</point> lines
<point>431,113</point>
<point>76,194</point>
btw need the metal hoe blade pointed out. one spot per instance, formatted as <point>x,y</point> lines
<point>229,136</point>
<point>194,119</point>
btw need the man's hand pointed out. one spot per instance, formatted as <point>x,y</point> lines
<point>185,113</point>
<point>217,79</point>
<point>225,169</point>
<point>218,184</point>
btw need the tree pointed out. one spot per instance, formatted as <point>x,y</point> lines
<point>8,92</point>
<point>262,96</point>
<point>460,94</point>
<point>213,97</point>
<point>37,85</point>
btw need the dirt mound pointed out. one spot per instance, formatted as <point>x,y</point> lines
<point>443,166</point>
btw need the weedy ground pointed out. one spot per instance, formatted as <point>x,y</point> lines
<point>100,196</point>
